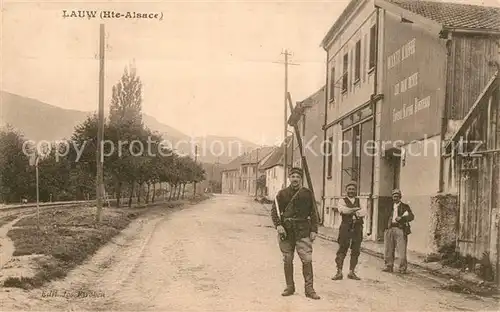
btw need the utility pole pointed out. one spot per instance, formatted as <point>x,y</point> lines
<point>195,162</point>
<point>100,129</point>
<point>217,164</point>
<point>256,171</point>
<point>285,129</point>
<point>37,192</point>
<point>285,125</point>
<point>211,181</point>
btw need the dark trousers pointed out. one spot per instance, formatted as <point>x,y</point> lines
<point>302,245</point>
<point>349,237</point>
<point>304,249</point>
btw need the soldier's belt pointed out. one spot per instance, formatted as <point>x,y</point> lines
<point>296,219</point>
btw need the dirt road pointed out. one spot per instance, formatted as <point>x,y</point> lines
<point>222,255</point>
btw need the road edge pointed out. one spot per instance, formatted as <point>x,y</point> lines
<point>467,284</point>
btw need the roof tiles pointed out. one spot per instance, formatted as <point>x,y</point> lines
<point>454,15</point>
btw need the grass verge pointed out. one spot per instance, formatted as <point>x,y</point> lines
<point>7,219</point>
<point>68,237</point>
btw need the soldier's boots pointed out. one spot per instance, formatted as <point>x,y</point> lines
<point>338,276</point>
<point>313,295</point>
<point>288,291</point>
<point>290,285</point>
<point>353,275</point>
<point>307,271</point>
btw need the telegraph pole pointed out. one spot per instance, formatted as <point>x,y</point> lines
<point>195,162</point>
<point>285,147</point>
<point>285,126</point>
<point>211,181</point>
<point>256,171</point>
<point>100,129</point>
<point>37,158</point>
<point>217,164</point>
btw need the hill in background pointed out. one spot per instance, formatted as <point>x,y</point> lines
<point>42,121</point>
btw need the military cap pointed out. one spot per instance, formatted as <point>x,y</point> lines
<point>353,183</point>
<point>396,191</point>
<point>295,170</point>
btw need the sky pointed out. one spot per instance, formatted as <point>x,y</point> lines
<point>208,67</point>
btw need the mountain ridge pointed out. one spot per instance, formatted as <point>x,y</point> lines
<point>39,121</point>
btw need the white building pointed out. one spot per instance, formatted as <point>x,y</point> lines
<point>241,174</point>
<point>352,97</point>
<point>273,168</point>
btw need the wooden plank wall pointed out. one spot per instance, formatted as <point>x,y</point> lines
<point>468,72</point>
<point>479,189</point>
<point>495,232</point>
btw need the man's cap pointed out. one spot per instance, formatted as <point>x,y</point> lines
<point>295,170</point>
<point>353,183</point>
<point>396,191</point>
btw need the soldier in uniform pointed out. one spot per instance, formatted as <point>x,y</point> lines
<point>350,231</point>
<point>295,217</point>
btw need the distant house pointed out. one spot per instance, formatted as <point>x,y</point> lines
<point>240,175</point>
<point>250,169</point>
<point>273,169</point>
<point>274,173</point>
<point>231,179</point>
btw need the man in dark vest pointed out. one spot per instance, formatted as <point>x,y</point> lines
<point>396,233</point>
<point>350,231</point>
<point>295,217</point>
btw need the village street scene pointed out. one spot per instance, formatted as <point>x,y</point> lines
<point>250,156</point>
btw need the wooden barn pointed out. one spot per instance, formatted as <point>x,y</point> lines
<point>475,156</point>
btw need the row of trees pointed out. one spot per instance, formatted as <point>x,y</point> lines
<point>67,171</point>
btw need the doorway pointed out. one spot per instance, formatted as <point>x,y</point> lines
<point>391,177</point>
<point>396,169</point>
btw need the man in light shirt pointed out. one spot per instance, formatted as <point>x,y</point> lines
<point>396,234</point>
<point>350,231</point>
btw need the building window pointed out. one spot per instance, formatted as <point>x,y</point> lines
<point>357,64</point>
<point>329,147</point>
<point>345,74</point>
<point>332,84</point>
<point>356,152</point>
<point>364,65</point>
<point>346,158</point>
<point>357,156</point>
<point>373,47</point>
<point>351,69</point>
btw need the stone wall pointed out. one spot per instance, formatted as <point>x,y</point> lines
<point>444,221</point>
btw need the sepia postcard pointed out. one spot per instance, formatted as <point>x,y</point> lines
<point>250,155</point>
